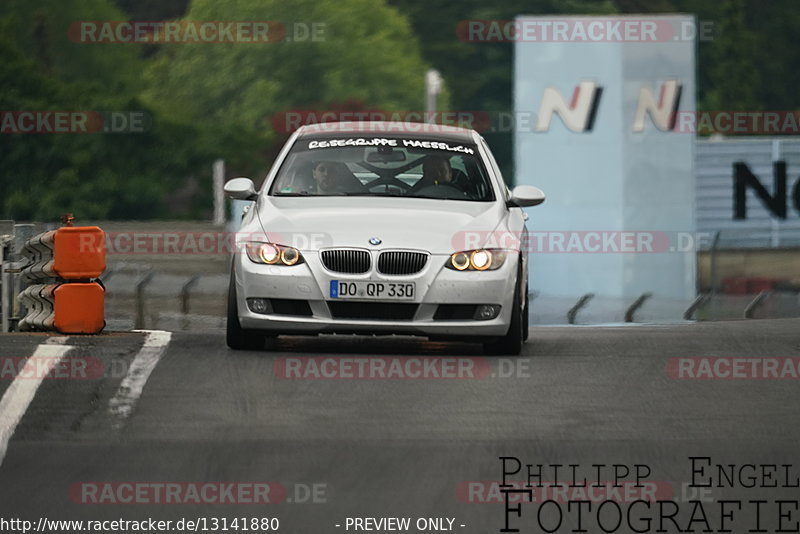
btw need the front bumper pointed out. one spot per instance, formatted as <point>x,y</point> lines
<point>435,286</point>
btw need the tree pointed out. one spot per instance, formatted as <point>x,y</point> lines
<point>776,50</point>
<point>480,74</point>
<point>153,10</point>
<point>734,77</point>
<point>746,65</point>
<point>42,29</point>
<point>97,175</point>
<point>367,55</point>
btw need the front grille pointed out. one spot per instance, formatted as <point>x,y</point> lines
<point>352,261</point>
<point>401,262</point>
<point>455,312</point>
<point>381,311</point>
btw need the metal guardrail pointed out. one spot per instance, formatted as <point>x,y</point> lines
<point>145,306</point>
<point>11,283</point>
<point>6,238</point>
<point>140,286</point>
<point>47,283</point>
<point>189,299</point>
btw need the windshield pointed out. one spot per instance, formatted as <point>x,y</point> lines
<point>369,166</point>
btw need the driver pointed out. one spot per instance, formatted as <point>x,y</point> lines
<point>436,171</point>
<point>333,178</point>
<point>323,174</point>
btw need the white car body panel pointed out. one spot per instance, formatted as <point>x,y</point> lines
<point>434,226</point>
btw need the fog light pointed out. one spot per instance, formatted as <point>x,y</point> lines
<point>486,312</point>
<point>259,305</point>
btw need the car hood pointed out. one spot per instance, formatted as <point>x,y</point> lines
<point>437,226</point>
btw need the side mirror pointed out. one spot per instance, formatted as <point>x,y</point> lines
<point>525,196</point>
<point>241,189</point>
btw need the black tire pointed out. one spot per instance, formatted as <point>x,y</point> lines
<point>237,337</point>
<point>526,316</point>
<point>511,343</point>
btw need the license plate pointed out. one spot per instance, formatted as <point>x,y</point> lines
<point>372,290</point>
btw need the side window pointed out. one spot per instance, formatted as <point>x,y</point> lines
<point>495,167</point>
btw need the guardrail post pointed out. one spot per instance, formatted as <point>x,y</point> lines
<point>699,301</point>
<point>713,262</point>
<point>106,275</point>
<point>140,285</point>
<point>635,306</point>
<point>755,303</point>
<point>577,307</point>
<point>185,293</point>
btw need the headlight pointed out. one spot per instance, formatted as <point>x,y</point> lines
<point>476,260</point>
<point>290,256</point>
<point>480,259</point>
<point>273,254</point>
<point>459,261</point>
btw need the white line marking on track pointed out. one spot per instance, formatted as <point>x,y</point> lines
<point>155,345</point>
<point>20,393</point>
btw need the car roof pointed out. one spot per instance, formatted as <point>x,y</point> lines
<point>387,129</point>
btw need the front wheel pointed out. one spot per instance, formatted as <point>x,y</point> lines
<point>511,343</point>
<point>237,337</point>
<point>526,316</point>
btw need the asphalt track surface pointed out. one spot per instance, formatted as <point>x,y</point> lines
<point>331,442</point>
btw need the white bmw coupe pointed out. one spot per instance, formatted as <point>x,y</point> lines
<point>382,228</point>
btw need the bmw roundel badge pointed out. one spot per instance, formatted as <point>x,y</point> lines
<point>374,241</point>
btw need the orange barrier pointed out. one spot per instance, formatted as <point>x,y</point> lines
<point>65,262</point>
<point>79,308</point>
<point>79,252</point>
